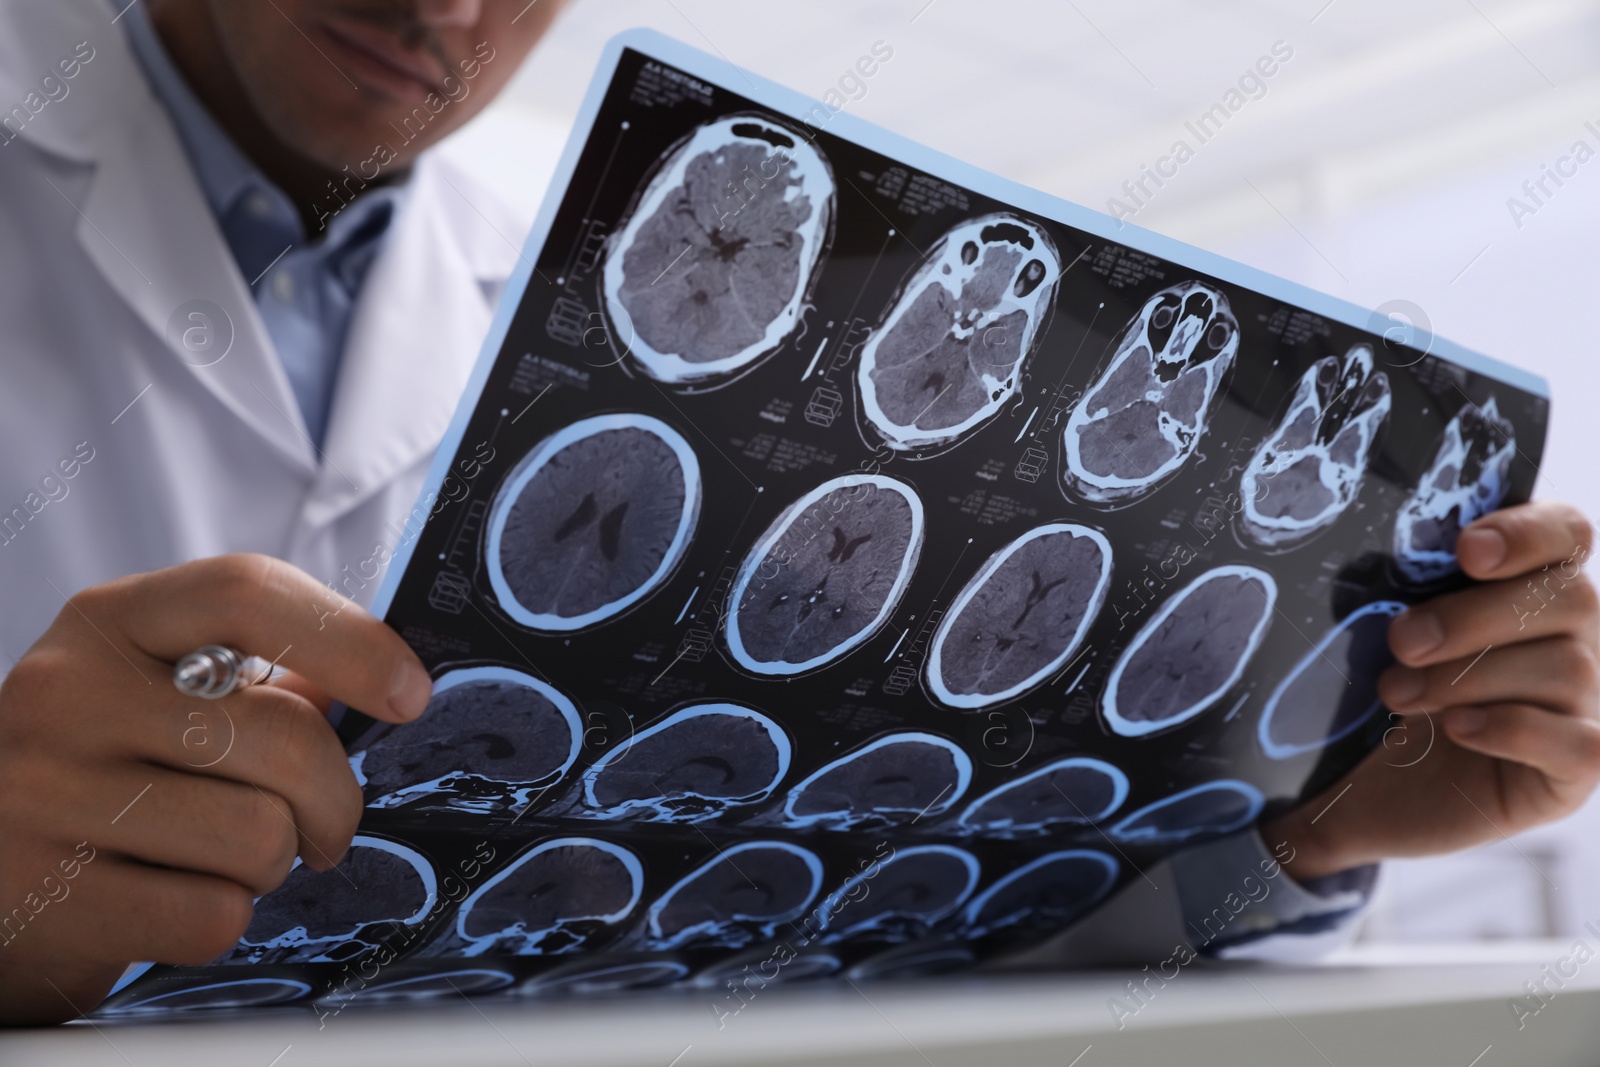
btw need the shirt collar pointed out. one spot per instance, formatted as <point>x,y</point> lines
<point>225,173</point>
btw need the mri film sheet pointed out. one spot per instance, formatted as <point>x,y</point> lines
<point>845,562</point>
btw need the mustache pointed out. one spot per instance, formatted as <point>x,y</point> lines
<point>399,18</point>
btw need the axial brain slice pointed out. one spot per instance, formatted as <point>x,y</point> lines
<point>825,575</point>
<point>378,882</point>
<point>949,352</point>
<point>1191,652</point>
<point>1334,687</point>
<point>1469,477</point>
<point>1079,790</point>
<point>1020,617</point>
<point>894,779</point>
<point>741,894</point>
<point>592,520</point>
<point>489,737</point>
<point>1144,418</point>
<point>691,766</point>
<point>1046,893</point>
<point>710,271</point>
<point>902,897</point>
<point>551,899</point>
<point>1309,469</point>
<point>1205,810</point>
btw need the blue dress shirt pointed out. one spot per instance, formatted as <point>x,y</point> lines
<point>305,287</point>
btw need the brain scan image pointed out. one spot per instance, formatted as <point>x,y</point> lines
<point>949,353</point>
<point>692,766</point>
<point>1076,791</point>
<point>592,521</point>
<point>1191,652</point>
<point>803,964</point>
<point>490,739</point>
<point>464,981</point>
<point>1047,893</point>
<point>1021,617</point>
<point>1208,810</point>
<point>710,271</point>
<point>894,780</point>
<point>825,575</point>
<point>903,897</point>
<point>1468,478</point>
<point>1143,419</point>
<point>559,896</point>
<point>737,898</point>
<point>605,974</point>
<point>1309,469</point>
<point>235,993</point>
<point>1333,690</point>
<point>378,887</point>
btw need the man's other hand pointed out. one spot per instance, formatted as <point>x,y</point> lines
<point>1499,687</point>
<point>137,823</point>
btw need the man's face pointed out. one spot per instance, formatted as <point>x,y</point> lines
<point>338,78</point>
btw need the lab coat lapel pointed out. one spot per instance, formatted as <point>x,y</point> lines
<point>417,328</point>
<point>145,225</point>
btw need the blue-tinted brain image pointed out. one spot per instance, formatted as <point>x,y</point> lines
<point>555,898</point>
<point>1469,477</point>
<point>377,889</point>
<point>1021,617</point>
<point>463,981</point>
<point>605,974</point>
<point>591,521</point>
<point>825,575</point>
<point>1044,894</point>
<point>210,996</point>
<point>1310,468</point>
<point>1207,810</point>
<point>736,898</point>
<point>901,778</point>
<point>949,353</point>
<point>1072,792</point>
<point>1191,652</point>
<point>1333,690</point>
<point>1145,416</point>
<point>692,766</point>
<point>902,897</point>
<point>491,738</point>
<point>709,272</point>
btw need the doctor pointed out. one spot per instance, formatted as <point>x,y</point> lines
<point>238,302</point>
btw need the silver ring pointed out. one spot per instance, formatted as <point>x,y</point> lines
<point>214,671</point>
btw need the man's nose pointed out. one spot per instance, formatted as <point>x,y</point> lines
<point>449,14</point>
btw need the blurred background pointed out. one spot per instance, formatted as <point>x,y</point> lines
<point>1378,163</point>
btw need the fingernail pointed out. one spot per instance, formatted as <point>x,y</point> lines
<point>1485,546</point>
<point>408,695</point>
<point>1403,685</point>
<point>1464,722</point>
<point>1415,633</point>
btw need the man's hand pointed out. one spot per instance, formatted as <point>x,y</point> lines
<point>1500,688</point>
<point>137,823</point>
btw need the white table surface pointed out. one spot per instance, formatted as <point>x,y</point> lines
<point>1414,1006</point>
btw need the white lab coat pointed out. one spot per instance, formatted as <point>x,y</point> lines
<point>104,234</point>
